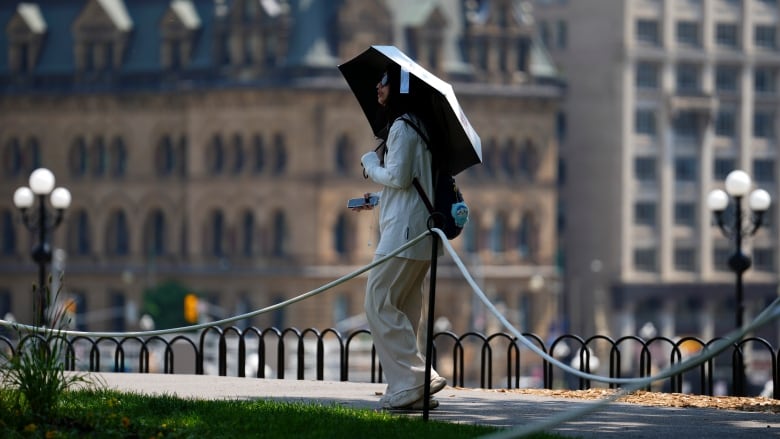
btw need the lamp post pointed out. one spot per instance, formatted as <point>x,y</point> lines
<point>738,184</point>
<point>41,185</point>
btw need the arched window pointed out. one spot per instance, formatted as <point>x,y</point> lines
<point>258,147</point>
<point>164,157</point>
<point>509,158</point>
<point>248,234</point>
<point>238,153</point>
<point>182,155</point>
<point>117,235</point>
<point>280,154</point>
<point>498,234</point>
<point>527,238</point>
<point>529,160</point>
<point>12,157</point>
<point>154,234</point>
<point>343,155</point>
<point>77,157</point>
<point>215,234</point>
<point>99,157</point>
<point>279,234</point>
<point>79,242</point>
<point>215,155</point>
<point>118,157</point>
<point>9,233</point>
<point>340,229</point>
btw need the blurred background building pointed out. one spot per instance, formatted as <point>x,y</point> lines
<point>664,98</point>
<point>212,145</point>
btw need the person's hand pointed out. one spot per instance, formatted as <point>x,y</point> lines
<point>366,206</point>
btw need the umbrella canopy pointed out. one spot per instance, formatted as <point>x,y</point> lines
<point>462,147</point>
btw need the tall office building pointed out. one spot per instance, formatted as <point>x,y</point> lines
<point>213,143</point>
<point>664,99</point>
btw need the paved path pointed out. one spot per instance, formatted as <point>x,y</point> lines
<point>486,407</point>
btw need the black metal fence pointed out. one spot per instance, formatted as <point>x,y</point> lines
<point>747,368</point>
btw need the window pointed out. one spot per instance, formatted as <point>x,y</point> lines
<point>216,235</point>
<point>119,157</point>
<point>154,234</point>
<point>117,235</point>
<point>527,235</point>
<point>764,170</point>
<point>647,32</point>
<point>720,258</point>
<point>687,78</point>
<point>688,33</point>
<point>280,154</point>
<point>280,231</point>
<point>684,213</point>
<point>99,157</point>
<point>764,259</point>
<point>248,234</point>
<point>343,157</point>
<point>645,259</point>
<point>764,124</point>
<point>644,169</point>
<point>686,125</point>
<point>644,214</point>
<point>725,124</point>
<point>215,155</point>
<point>498,234</point>
<point>77,157</point>
<point>727,35</point>
<point>684,259</point>
<point>529,160</point>
<point>685,169</point>
<point>164,161</point>
<point>765,37</point>
<point>544,34</point>
<point>722,167</point>
<point>764,80</point>
<point>562,34</point>
<point>79,242</point>
<point>340,232</point>
<point>726,78</point>
<point>118,303</point>
<point>645,122</point>
<point>647,76</point>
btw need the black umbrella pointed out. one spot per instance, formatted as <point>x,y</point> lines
<point>461,145</point>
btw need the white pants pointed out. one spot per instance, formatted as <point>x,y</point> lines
<point>397,316</point>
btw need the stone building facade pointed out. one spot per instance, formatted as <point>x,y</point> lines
<point>214,143</point>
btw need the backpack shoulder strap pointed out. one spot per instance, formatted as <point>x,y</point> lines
<point>420,191</point>
<point>419,131</point>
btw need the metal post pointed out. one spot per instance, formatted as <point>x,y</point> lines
<point>429,337</point>
<point>739,263</point>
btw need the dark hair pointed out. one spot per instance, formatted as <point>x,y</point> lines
<point>397,104</point>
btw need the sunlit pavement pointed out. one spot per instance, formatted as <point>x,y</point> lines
<point>504,409</point>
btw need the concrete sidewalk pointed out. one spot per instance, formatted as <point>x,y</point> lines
<point>485,407</point>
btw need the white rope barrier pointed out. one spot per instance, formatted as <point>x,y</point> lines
<point>274,307</point>
<point>769,314</point>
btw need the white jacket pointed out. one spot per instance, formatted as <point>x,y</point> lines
<point>403,215</point>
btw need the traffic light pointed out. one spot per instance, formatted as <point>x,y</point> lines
<point>191,308</point>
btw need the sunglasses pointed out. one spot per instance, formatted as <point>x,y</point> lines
<point>383,82</point>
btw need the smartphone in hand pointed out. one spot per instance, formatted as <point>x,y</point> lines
<point>371,201</point>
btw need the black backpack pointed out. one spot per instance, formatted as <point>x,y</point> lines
<point>449,211</point>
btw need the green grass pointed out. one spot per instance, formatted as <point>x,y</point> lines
<point>99,413</point>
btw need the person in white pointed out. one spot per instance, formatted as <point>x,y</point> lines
<point>395,304</point>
